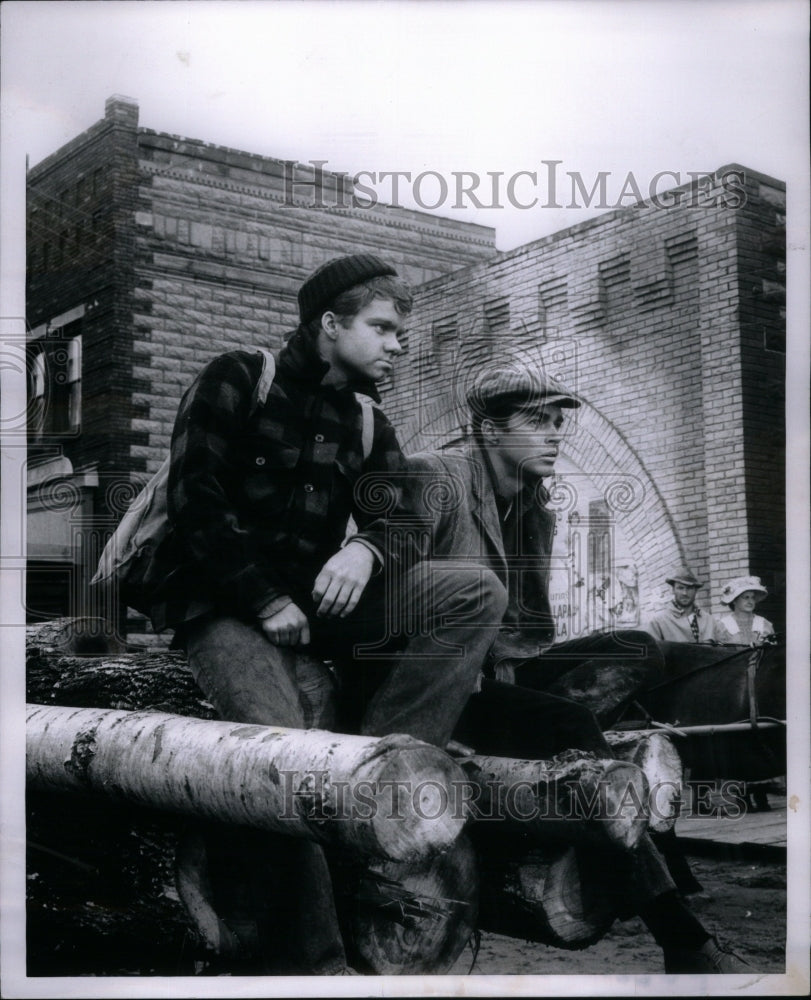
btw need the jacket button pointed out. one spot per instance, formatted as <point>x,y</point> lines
<point>260,460</point>
<point>309,488</point>
<point>319,438</point>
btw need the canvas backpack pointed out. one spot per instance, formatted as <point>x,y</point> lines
<point>146,522</point>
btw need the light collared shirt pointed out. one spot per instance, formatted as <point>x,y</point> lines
<point>675,624</point>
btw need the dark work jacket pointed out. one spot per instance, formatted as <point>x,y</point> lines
<point>454,492</point>
<point>259,499</point>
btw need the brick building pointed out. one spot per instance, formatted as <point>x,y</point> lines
<point>670,323</point>
<point>149,253</point>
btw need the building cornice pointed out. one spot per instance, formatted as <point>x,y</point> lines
<point>382,216</point>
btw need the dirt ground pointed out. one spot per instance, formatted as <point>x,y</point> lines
<point>743,904</point>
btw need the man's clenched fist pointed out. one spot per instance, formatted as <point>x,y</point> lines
<point>287,627</point>
<point>343,579</point>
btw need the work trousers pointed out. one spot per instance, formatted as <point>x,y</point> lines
<point>428,635</point>
<point>604,671</point>
<point>506,720</point>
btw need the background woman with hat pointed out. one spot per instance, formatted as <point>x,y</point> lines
<point>742,626</point>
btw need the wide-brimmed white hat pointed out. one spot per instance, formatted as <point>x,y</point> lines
<point>740,585</point>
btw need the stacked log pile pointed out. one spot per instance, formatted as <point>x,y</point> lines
<point>126,759</point>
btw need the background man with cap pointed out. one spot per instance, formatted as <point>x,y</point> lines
<point>486,508</point>
<point>256,566</point>
<point>681,620</point>
<point>741,625</point>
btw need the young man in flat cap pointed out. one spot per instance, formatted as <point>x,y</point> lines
<point>517,421</point>
<point>493,514</point>
<point>256,567</point>
<point>682,620</point>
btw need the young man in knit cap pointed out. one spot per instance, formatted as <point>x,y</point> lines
<point>256,567</point>
<point>535,695</point>
<point>681,620</point>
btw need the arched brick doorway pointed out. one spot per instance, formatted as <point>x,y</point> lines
<point>612,520</point>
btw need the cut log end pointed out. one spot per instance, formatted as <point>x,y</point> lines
<point>415,918</point>
<point>419,802</point>
<point>624,814</point>
<point>658,758</point>
<point>575,914</point>
<point>543,897</point>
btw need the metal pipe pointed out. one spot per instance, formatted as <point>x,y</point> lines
<point>732,727</point>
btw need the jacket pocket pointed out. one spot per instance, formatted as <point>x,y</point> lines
<point>264,453</point>
<point>268,473</point>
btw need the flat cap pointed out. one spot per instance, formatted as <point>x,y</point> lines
<point>336,276</point>
<point>685,576</point>
<point>518,384</point>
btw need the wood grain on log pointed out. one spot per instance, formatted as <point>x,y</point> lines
<point>412,918</point>
<point>160,681</point>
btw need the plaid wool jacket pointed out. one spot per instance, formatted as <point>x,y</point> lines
<point>258,503</point>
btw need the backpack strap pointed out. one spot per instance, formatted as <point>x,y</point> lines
<point>268,373</point>
<point>368,430</point>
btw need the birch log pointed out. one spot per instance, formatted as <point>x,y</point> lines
<point>656,755</point>
<point>325,786</point>
<point>574,797</point>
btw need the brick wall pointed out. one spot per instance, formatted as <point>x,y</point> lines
<point>80,255</point>
<point>668,321</point>
<point>761,242</point>
<point>79,249</point>
<point>178,250</point>
<point>644,312</point>
<point>165,251</point>
<point>224,243</point>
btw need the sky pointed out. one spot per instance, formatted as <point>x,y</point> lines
<point>613,86</point>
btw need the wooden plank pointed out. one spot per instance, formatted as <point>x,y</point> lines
<point>729,834</point>
<point>758,829</point>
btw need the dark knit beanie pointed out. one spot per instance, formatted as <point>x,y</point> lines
<point>336,276</point>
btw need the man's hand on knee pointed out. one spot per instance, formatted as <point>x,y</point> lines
<point>287,627</point>
<point>342,580</point>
